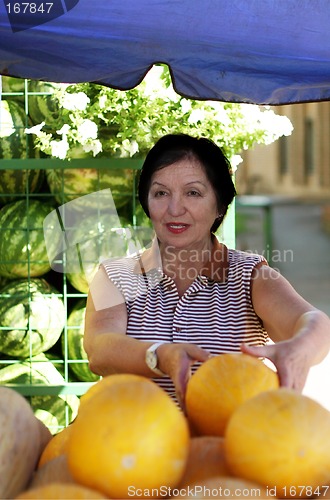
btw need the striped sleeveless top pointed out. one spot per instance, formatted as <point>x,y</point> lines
<point>215,313</point>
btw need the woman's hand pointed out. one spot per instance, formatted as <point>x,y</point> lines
<point>176,361</point>
<point>291,364</point>
<point>300,332</point>
<point>294,357</point>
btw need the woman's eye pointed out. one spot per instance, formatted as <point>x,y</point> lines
<point>159,193</point>
<point>192,192</point>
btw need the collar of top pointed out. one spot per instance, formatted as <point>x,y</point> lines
<point>215,262</point>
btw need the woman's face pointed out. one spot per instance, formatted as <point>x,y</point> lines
<point>182,204</point>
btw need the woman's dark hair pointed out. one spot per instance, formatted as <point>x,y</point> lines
<point>175,147</point>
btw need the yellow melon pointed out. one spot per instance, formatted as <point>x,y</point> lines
<point>55,447</point>
<point>55,470</point>
<point>206,458</point>
<point>61,491</point>
<point>102,384</point>
<point>223,487</point>
<point>220,385</point>
<point>129,438</point>
<point>280,439</point>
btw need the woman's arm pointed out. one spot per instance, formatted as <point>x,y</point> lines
<point>300,331</point>
<point>110,350</point>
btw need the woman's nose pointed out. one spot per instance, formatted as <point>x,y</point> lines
<point>176,206</point>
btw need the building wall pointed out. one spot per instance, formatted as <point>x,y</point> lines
<point>298,165</point>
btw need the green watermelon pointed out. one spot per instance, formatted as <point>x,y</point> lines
<point>42,106</point>
<point>32,317</point>
<point>98,241</point>
<point>4,281</point>
<point>23,251</point>
<point>72,183</point>
<point>55,411</point>
<point>13,88</point>
<point>57,361</point>
<point>14,142</point>
<point>73,339</point>
<point>15,184</point>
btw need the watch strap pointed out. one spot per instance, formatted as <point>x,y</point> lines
<point>152,349</point>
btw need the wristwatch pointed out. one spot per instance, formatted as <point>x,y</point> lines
<point>152,359</point>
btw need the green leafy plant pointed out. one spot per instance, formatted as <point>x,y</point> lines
<point>94,120</point>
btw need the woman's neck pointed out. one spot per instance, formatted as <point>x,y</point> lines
<point>184,264</point>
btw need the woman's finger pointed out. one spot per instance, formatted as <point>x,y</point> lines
<point>180,382</point>
<point>259,351</point>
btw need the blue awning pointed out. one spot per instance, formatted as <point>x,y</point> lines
<point>257,51</point>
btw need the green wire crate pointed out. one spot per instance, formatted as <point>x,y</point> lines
<point>25,370</point>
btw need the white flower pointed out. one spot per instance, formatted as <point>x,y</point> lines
<point>75,102</point>
<point>94,146</point>
<point>134,148</point>
<point>35,130</point>
<point>153,82</point>
<point>222,116</point>
<point>273,125</point>
<point>170,94</point>
<point>197,115</point>
<point>276,126</point>
<point>64,130</point>
<point>155,88</point>
<point>102,101</point>
<point>286,125</point>
<point>235,160</point>
<point>185,105</point>
<point>130,147</point>
<point>87,130</point>
<point>59,149</point>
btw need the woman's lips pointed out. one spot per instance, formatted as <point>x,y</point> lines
<point>177,227</point>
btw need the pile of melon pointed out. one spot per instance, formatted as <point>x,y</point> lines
<point>241,436</point>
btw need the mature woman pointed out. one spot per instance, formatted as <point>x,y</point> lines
<point>188,296</point>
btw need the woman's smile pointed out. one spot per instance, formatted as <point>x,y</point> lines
<point>177,227</point>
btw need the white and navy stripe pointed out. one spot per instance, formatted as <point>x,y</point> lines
<point>215,315</point>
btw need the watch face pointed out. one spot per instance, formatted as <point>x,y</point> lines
<point>151,360</point>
